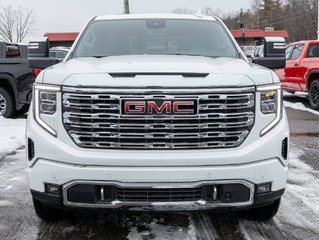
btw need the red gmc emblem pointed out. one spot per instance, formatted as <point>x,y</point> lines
<point>158,107</point>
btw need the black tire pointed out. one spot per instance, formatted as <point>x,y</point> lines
<point>262,213</point>
<point>314,95</point>
<point>47,214</point>
<point>22,111</point>
<point>6,103</point>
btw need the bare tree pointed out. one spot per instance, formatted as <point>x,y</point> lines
<point>183,10</point>
<point>16,23</point>
<point>126,7</point>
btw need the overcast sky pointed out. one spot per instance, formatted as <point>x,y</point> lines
<point>72,15</point>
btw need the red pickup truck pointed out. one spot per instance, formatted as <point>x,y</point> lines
<point>302,70</point>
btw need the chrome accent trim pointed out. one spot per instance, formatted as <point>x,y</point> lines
<point>279,103</point>
<point>215,193</point>
<point>36,113</point>
<point>195,205</point>
<point>94,120</point>
<point>158,89</point>
<point>102,193</point>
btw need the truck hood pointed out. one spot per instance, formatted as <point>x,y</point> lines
<point>156,71</point>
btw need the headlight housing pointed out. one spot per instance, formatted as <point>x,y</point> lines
<point>271,102</point>
<point>45,104</point>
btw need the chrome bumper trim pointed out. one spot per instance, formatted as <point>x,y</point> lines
<point>159,206</point>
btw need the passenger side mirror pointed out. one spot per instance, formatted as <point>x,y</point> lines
<point>274,53</point>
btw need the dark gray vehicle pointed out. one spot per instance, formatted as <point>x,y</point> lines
<point>59,52</point>
<point>16,80</point>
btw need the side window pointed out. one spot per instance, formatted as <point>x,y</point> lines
<point>52,54</point>
<point>61,55</point>
<point>12,52</point>
<point>288,52</point>
<point>313,51</point>
<point>297,52</point>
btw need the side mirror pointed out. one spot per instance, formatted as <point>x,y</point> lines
<point>42,63</point>
<point>248,56</point>
<point>274,53</point>
<point>271,63</point>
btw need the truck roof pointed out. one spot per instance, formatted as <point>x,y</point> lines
<point>155,15</point>
<point>306,42</point>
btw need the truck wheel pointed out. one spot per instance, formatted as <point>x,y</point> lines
<point>314,95</point>
<point>47,214</point>
<point>262,213</point>
<point>6,103</point>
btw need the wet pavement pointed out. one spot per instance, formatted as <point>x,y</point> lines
<point>298,217</point>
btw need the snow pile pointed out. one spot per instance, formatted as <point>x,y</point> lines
<point>160,231</point>
<point>11,135</point>
<point>300,205</point>
<point>300,106</point>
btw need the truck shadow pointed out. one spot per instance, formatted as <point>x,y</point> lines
<point>295,98</point>
<point>117,226</point>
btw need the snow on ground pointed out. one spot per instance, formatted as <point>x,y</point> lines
<point>158,231</point>
<point>300,106</point>
<point>300,205</point>
<point>298,216</point>
<point>11,135</point>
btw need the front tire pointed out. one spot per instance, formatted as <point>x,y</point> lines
<point>262,213</point>
<point>314,95</point>
<point>47,214</point>
<point>6,103</point>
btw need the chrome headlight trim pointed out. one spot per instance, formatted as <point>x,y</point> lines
<point>37,90</point>
<point>279,102</point>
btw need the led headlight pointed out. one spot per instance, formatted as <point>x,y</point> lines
<point>271,103</point>
<point>45,104</point>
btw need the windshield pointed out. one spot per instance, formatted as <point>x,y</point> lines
<point>155,36</point>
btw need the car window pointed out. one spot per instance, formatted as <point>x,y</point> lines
<point>12,51</point>
<point>61,54</point>
<point>53,54</point>
<point>288,51</point>
<point>313,51</point>
<point>155,36</point>
<point>297,51</point>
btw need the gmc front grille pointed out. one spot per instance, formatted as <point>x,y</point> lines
<point>93,119</point>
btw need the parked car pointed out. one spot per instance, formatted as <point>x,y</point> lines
<point>59,52</point>
<point>302,70</point>
<point>16,80</point>
<point>158,113</point>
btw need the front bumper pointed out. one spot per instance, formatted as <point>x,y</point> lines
<point>258,201</point>
<point>59,161</point>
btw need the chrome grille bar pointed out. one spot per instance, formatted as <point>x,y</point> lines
<point>93,119</point>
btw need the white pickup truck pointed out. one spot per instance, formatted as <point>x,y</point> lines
<point>157,113</point>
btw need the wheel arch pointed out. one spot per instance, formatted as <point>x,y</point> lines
<point>8,82</point>
<point>313,75</point>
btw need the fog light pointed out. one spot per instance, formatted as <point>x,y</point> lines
<point>263,188</point>
<point>52,189</point>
